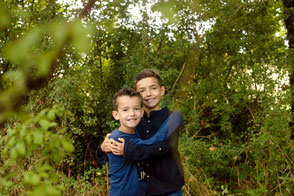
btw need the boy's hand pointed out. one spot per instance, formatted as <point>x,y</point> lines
<point>106,144</point>
<point>117,148</point>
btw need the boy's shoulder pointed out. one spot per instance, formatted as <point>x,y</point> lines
<point>115,134</point>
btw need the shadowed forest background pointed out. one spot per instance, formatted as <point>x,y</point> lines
<point>227,66</point>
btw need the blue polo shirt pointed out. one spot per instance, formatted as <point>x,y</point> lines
<point>124,180</point>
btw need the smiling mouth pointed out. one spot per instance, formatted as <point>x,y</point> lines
<point>149,100</point>
<point>133,119</point>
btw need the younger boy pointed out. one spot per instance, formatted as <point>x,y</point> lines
<point>128,110</point>
<point>124,180</point>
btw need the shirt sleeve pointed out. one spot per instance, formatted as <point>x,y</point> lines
<point>142,150</point>
<point>133,152</point>
<point>172,123</point>
<point>101,157</point>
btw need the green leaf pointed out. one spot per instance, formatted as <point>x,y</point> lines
<point>13,154</point>
<point>51,114</point>
<point>11,142</point>
<point>27,178</point>
<point>35,179</point>
<point>68,147</point>
<point>38,137</point>
<point>20,147</point>
<point>80,37</point>
<point>59,32</point>
<point>4,19</point>
<point>31,178</point>
<point>44,63</point>
<point>46,124</point>
<point>50,190</point>
<point>21,50</point>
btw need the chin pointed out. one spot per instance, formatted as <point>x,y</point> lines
<point>151,107</point>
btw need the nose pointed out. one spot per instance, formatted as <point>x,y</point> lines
<point>148,92</point>
<point>132,113</point>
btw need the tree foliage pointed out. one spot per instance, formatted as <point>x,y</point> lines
<point>226,66</point>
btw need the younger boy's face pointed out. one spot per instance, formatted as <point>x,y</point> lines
<point>129,113</point>
<point>151,93</point>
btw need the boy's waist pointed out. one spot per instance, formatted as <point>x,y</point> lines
<point>163,175</point>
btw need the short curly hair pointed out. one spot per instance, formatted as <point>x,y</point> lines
<point>126,91</point>
<point>146,73</point>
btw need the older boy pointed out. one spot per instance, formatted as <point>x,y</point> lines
<point>161,162</point>
<point>124,180</point>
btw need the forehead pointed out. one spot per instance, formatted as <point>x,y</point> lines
<point>127,101</point>
<point>146,82</point>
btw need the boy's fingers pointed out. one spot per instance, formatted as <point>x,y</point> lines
<point>111,142</point>
<point>116,148</point>
<point>114,142</point>
<point>122,140</point>
<point>107,135</point>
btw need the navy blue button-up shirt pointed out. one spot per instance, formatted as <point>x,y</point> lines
<point>161,162</point>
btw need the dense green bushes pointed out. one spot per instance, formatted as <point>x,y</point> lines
<point>30,153</point>
<point>230,80</point>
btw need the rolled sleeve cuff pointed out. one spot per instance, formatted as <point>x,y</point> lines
<point>101,157</point>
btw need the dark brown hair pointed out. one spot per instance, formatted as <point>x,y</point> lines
<point>126,91</point>
<point>146,73</point>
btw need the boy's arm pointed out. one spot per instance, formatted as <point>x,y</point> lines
<point>101,157</point>
<point>155,146</point>
<point>101,153</point>
<point>133,152</point>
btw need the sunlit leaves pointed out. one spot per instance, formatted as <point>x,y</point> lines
<point>81,36</point>
<point>167,9</point>
<point>36,53</point>
<point>4,18</point>
<point>21,51</point>
<point>37,141</point>
<point>27,51</point>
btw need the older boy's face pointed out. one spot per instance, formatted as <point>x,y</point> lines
<point>151,93</point>
<point>129,112</point>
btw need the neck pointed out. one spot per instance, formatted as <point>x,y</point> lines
<point>149,110</point>
<point>127,130</point>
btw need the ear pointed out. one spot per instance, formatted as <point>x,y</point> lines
<point>115,115</point>
<point>142,112</point>
<point>162,90</point>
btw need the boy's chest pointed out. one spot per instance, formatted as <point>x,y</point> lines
<point>149,126</point>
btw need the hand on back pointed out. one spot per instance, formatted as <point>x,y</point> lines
<point>110,145</point>
<point>106,144</point>
<point>117,148</point>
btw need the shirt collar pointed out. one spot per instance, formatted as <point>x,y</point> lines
<point>154,113</point>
